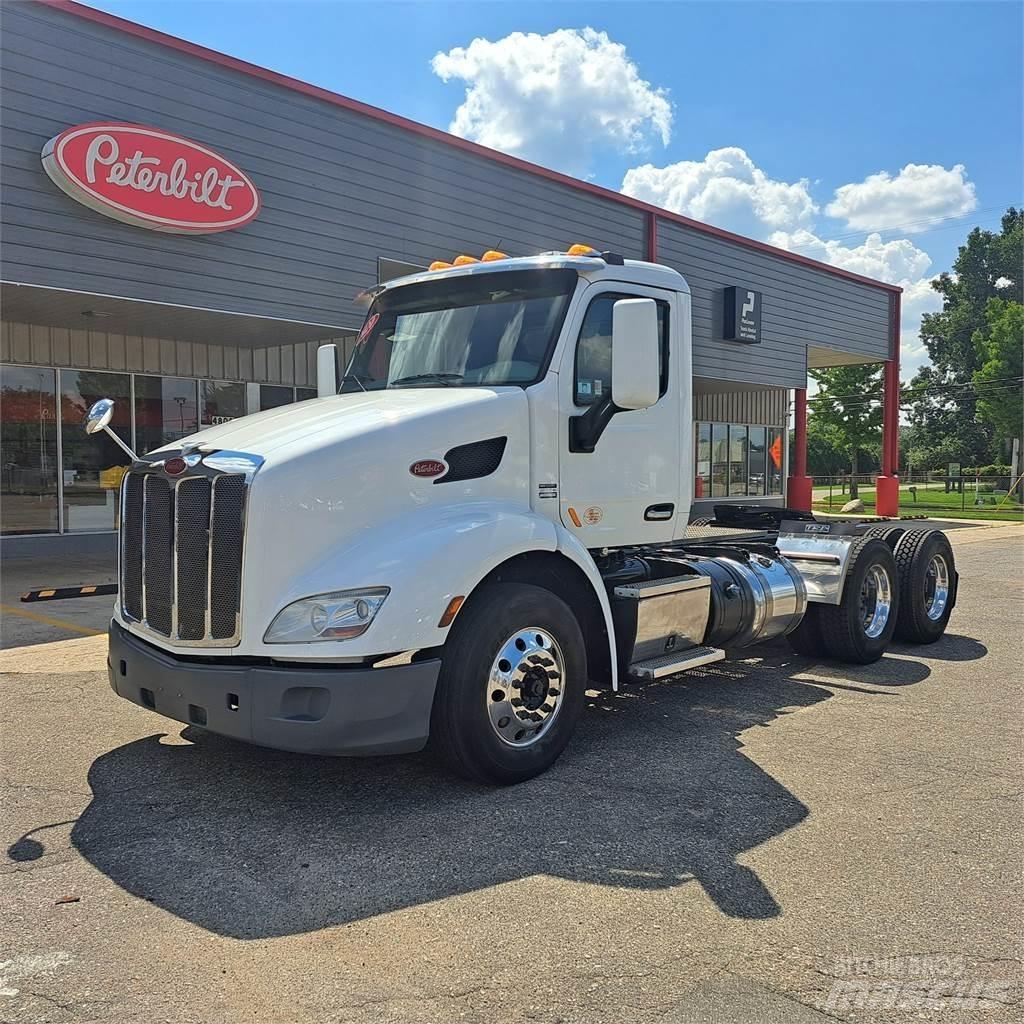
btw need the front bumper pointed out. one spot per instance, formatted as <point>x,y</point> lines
<point>321,709</point>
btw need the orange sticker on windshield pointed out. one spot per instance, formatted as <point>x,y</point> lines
<point>367,327</point>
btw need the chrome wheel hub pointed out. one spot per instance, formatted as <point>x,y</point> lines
<point>936,588</point>
<point>525,685</point>
<point>875,601</point>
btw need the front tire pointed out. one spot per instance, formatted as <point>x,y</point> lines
<point>860,628</point>
<point>512,685</point>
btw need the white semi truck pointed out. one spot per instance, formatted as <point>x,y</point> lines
<point>486,515</point>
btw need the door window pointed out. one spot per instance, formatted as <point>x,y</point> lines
<point>220,401</point>
<point>166,410</point>
<point>28,409</point>
<point>593,376</point>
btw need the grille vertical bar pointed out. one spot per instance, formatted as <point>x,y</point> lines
<point>226,529</point>
<point>158,543</point>
<point>192,541</point>
<point>131,547</point>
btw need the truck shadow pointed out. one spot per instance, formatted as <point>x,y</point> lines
<point>655,792</point>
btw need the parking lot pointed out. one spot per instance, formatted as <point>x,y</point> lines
<point>768,839</point>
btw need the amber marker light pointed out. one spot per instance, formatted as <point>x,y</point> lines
<point>575,518</point>
<point>439,265</point>
<point>581,250</point>
<point>451,611</point>
<point>492,254</point>
<point>462,261</point>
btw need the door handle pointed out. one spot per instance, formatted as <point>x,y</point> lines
<point>656,513</point>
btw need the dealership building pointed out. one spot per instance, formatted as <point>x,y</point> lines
<point>181,230</point>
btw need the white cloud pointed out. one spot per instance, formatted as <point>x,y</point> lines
<point>1003,282</point>
<point>554,99</point>
<point>920,196</point>
<point>726,189</point>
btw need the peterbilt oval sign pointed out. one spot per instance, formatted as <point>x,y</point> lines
<point>428,468</point>
<point>150,178</point>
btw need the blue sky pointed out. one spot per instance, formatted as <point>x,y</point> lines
<point>750,116</point>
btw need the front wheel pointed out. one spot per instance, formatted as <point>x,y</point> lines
<point>512,684</point>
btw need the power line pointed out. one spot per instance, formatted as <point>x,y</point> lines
<point>906,405</point>
<point>920,390</point>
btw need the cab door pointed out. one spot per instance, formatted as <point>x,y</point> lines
<point>626,491</point>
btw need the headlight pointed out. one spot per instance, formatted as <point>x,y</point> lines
<point>340,615</point>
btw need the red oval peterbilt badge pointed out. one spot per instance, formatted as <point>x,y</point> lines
<point>175,466</point>
<point>150,178</point>
<point>428,467</point>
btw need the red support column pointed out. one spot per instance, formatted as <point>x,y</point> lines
<point>798,486</point>
<point>887,493</point>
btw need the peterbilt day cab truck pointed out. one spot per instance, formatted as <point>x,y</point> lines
<point>486,515</point>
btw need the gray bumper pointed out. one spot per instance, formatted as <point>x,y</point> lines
<point>315,710</point>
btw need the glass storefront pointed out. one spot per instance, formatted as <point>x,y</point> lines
<point>737,460</point>
<point>56,478</point>
<point>28,407</point>
<point>92,465</point>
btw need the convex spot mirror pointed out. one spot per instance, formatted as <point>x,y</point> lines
<point>636,374</point>
<point>99,416</point>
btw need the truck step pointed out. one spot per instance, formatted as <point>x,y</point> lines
<point>670,664</point>
<point>647,589</point>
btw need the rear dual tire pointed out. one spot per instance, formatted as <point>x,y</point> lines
<point>927,581</point>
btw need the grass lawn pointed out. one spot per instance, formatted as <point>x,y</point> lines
<point>930,503</point>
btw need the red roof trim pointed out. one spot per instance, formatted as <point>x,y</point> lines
<point>285,81</point>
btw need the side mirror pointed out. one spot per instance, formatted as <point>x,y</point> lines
<point>99,416</point>
<point>326,371</point>
<point>636,375</point>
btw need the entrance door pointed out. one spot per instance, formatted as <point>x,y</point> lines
<point>626,490</point>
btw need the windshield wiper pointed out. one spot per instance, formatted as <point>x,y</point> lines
<point>442,378</point>
<point>358,378</point>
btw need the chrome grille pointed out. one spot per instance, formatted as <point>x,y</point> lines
<point>181,555</point>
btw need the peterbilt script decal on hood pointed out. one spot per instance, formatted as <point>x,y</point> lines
<point>150,178</point>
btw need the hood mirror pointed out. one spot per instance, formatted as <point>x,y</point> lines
<point>98,418</point>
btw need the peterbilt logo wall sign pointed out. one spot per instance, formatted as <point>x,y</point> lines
<point>150,178</point>
<point>741,315</point>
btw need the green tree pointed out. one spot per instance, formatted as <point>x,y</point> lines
<point>1000,348</point>
<point>942,404</point>
<point>847,412</point>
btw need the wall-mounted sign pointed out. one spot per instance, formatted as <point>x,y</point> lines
<point>150,178</point>
<point>741,315</point>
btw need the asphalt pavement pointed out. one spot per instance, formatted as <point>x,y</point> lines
<point>769,839</point>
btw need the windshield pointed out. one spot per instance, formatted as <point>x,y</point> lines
<point>486,329</point>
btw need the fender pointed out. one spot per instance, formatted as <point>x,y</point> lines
<point>426,559</point>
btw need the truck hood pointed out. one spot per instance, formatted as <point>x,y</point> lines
<point>318,422</point>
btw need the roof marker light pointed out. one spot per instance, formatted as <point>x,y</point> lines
<point>462,261</point>
<point>492,254</point>
<point>439,265</point>
<point>581,250</point>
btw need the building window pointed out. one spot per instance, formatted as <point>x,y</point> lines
<point>756,472</point>
<point>28,409</point>
<point>304,394</point>
<point>220,401</point>
<point>719,460</point>
<point>737,460</point>
<point>702,481</point>
<point>775,460</point>
<point>273,396</point>
<point>166,410</point>
<point>593,378</point>
<point>92,464</point>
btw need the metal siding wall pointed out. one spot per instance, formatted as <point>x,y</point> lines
<point>96,350</point>
<point>339,189</point>
<point>801,306</point>
<point>768,408</point>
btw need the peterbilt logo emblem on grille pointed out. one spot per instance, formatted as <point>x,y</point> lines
<point>175,466</point>
<point>428,467</point>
